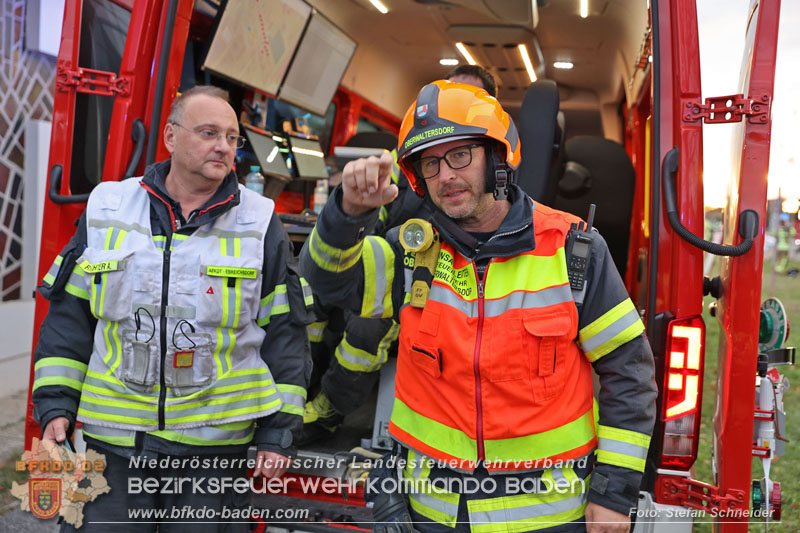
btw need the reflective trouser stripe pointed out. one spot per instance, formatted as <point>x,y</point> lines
<point>378,259</point>
<point>274,303</point>
<point>332,259</point>
<point>293,398</point>
<point>428,500</point>
<point>622,447</point>
<point>359,360</point>
<point>524,512</point>
<point>616,327</point>
<point>316,330</point>
<point>59,371</point>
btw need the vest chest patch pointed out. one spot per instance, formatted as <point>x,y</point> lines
<point>183,359</point>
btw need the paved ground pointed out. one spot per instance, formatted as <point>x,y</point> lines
<point>12,437</point>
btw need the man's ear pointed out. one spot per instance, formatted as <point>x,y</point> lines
<point>169,137</point>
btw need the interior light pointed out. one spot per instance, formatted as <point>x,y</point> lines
<point>272,154</point>
<point>563,64</point>
<point>306,151</point>
<point>523,51</point>
<point>584,8</point>
<point>379,6</point>
<point>448,62</point>
<point>464,52</point>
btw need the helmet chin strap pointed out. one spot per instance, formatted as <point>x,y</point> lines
<point>498,175</point>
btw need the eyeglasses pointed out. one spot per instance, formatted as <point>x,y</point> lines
<point>456,158</point>
<point>209,135</point>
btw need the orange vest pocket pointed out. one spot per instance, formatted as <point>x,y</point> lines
<point>427,358</point>
<point>549,335</point>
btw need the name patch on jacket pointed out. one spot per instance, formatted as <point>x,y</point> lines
<point>103,266</point>
<point>232,272</point>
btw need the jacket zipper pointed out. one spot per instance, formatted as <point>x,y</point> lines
<point>162,394</point>
<point>476,361</point>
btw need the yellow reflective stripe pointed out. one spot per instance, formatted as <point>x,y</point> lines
<point>94,415</point>
<point>109,232</point>
<point>109,351</point>
<point>359,360</point>
<point>316,330</point>
<point>110,393</point>
<point>149,405</point>
<point>225,388</point>
<point>223,414</point>
<point>274,303</point>
<point>292,409</point>
<point>50,277</point>
<point>505,277</point>
<point>332,259</point>
<point>118,344</point>
<point>176,407</point>
<point>622,447</point>
<point>218,347</point>
<point>174,436</point>
<point>449,440</point>
<point>545,444</point>
<point>78,292</point>
<point>237,247</point>
<point>292,389</point>
<point>616,327</point>
<point>377,301</point>
<point>57,380</point>
<point>60,361</point>
<point>120,238</point>
<point>236,314</point>
<point>116,441</point>
<point>525,512</point>
<point>308,296</point>
<point>223,246</point>
<point>447,502</point>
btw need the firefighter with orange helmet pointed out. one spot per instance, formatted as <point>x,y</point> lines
<point>494,410</point>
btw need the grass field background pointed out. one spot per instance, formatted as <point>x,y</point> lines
<point>786,469</point>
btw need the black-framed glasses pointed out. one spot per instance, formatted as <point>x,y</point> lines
<point>456,158</point>
<point>211,135</point>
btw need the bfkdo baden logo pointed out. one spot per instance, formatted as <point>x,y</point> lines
<point>45,497</point>
<point>61,482</point>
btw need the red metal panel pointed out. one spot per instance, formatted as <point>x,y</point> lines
<point>738,309</point>
<point>59,220</point>
<point>137,60</point>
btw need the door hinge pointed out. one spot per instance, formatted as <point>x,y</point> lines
<point>697,495</point>
<point>90,81</point>
<point>727,109</point>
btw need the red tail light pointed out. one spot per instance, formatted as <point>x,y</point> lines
<point>683,392</point>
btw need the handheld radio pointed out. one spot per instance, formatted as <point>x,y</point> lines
<point>579,249</point>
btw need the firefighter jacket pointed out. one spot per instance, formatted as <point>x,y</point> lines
<point>496,368</point>
<point>178,322</point>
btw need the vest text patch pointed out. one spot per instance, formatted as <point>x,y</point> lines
<point>231,272</point>
<point>103,266</point>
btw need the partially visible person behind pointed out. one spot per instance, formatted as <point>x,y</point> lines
<point>493,390</point>
<point>176,326</point>
<point>349,350</point>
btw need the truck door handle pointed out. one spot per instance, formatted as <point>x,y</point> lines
<point>139,137</point>
<point>748,219</point>
<point>55,184</point>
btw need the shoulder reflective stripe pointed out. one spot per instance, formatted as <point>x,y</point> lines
<point>449,440</point>
<point>332,259</point>
<point>315,330</point>
<point>102,267</point>
<point>231,272</point>
<point>228,234</point>
<point>616,327</point>
<point>50,277</point>
<point>308,294</point>
<point>109,223</point>
<point>524,512</point>
<point>622,447</point>
<point>378,260</point>
<point>570,436</point>
<point>114,238</point>
<point>293,398</point>
<point>274,303</point>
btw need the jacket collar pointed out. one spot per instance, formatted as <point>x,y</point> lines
<point>154,181</point>
<point>515,234</point>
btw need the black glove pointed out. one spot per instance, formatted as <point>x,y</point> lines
<point>391,514</point>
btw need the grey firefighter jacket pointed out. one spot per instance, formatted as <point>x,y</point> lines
<point>68,332</point>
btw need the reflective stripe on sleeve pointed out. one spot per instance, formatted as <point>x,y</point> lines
<point>378,259</point>
<point>274,303</point>
<point>50,277</point>
<point>618,326</point>
<point>622,447</point>
<point>293,398</point>
<point>59,371</point>
<point>332,259</point>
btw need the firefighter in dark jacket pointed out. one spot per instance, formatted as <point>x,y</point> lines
<point>493,387</point>
<point>176,325</point>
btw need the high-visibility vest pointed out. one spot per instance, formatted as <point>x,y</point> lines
<point>177,343</point>
<point>493,373</point>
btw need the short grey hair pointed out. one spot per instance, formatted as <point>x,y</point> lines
<point>180,102</point>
